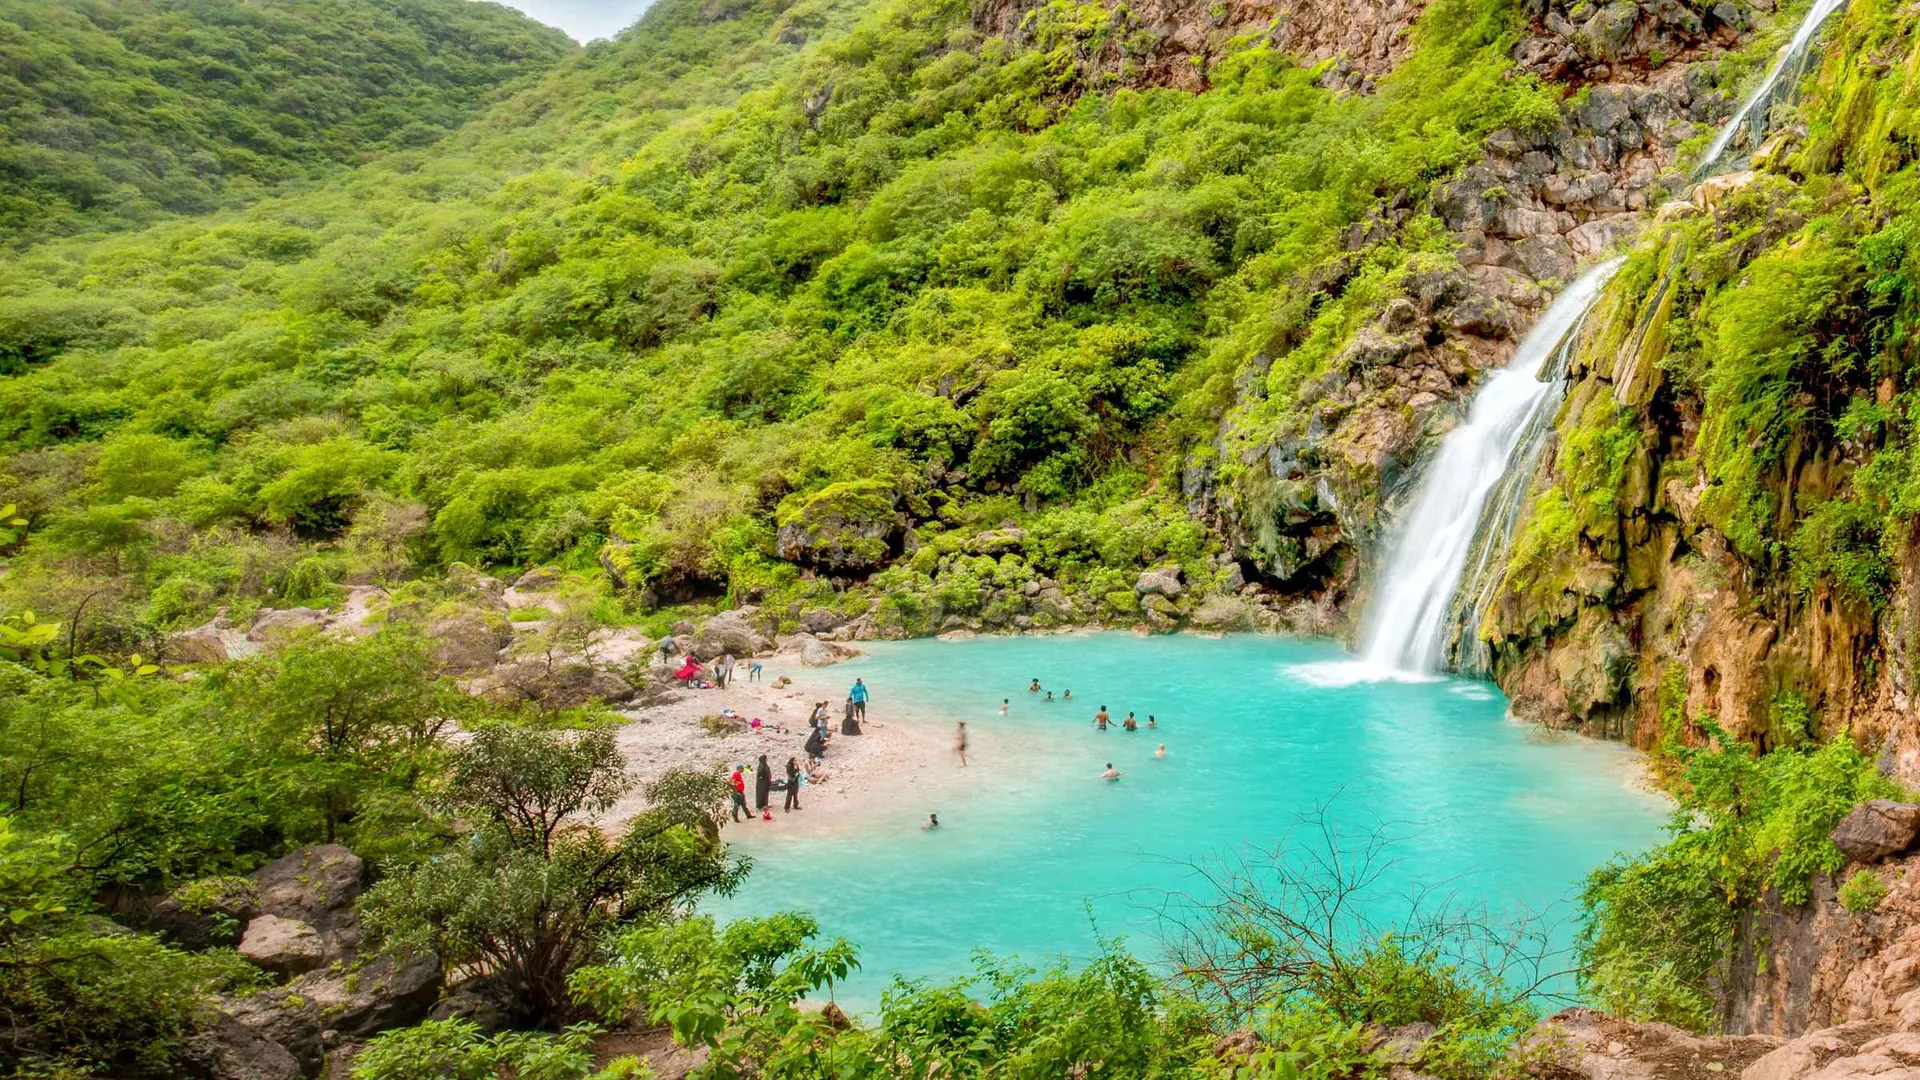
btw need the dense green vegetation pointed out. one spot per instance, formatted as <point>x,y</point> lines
<point>758,297</point>
<point>901,278</point>
<point>119,111</point>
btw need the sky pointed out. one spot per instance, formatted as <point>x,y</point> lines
<point>584,19</point>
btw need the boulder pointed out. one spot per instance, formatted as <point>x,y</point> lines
<point>821,620</point>
<point>733,632</point>
<point>271,624</point>
<point>316,885</point>
<point>1222,613</point>
<point>464,580</point>
<point>817,653</point>
<point>560,685</point>
<point>1876,829</point>
<point>470,640</point>
<point>1715,190</point>
<point>283,946</point>
<point>480,999</point>
<point>1162,582</point>
<point>211,642</point>
<point>205,913</point>
<point>840,528</point>
<point>308,1015</point>
<point>225,1049</point>
<point>538,579</point>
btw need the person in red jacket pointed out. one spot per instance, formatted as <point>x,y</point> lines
<point>740,795</point>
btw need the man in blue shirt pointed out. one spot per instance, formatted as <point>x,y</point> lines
<point>858,695</point>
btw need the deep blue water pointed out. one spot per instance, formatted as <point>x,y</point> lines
<point>1036,856</point>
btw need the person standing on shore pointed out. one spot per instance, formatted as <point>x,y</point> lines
<point>960,742</point>
<point>858,695</point>
<point>739,782</point>
<point>762,785</point>
<point>850,724</point>
<point>793,785</point>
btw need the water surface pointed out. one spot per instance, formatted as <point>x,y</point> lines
<point>1036,856</point>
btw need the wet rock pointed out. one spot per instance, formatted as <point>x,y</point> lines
<point>1715,190</point>
<point>1222,613</point>
<point>1876,829</point>
<point>281,945</point>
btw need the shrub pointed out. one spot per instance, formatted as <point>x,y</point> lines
<point>1863,891</point>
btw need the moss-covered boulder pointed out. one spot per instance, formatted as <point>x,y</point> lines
<point>847,527</point>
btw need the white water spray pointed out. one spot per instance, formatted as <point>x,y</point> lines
<point>1790,62</point>
<point>1417,584</point>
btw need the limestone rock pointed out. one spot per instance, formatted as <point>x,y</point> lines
<point>225,1049</point>
<point>470,640</point>
<point>733,632</point>
<point>821,620</point>
<point>316,885</point>
<point>1876,829</point>
<point>1715,190</point>
<point>384,994</point>
<point>1162,582</point>
<point>205,913</point>
<point>538,579</point>
<point>1222,613</point>
<point>817,653</point>
<point>270,624</point>
<point>842,527</point>
<point>283,946</point>
<point>565,684</point>
<point>212,642</point>
<point>477,587</point>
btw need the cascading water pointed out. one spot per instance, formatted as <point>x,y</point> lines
<point>1417,584</point>
<point>1782,77</point>
<point>1470,500</point>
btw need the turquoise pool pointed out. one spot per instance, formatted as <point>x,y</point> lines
<point>1037,857</point>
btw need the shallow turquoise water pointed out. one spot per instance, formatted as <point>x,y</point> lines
<point>1036,855</point>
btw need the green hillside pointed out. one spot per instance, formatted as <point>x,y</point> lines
<point>118,111</point>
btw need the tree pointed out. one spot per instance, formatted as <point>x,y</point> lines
<point>535,891</point>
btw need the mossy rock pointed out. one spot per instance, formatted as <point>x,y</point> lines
<point>842,527</point>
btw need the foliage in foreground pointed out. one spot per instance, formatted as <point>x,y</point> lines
<point>1661,924</point>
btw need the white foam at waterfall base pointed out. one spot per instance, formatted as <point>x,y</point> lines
<point>1422,571</point>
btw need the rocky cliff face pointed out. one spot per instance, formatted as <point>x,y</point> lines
<point>1303,499</point>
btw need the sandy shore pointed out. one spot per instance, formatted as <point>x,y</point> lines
<point>858,769</point>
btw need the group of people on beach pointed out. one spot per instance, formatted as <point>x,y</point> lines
<point>819,734</point>
<point>715,676</point>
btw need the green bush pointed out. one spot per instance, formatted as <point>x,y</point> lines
<point>1863,891</point>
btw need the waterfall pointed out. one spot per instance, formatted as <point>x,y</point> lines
<point>1422,572</point>
<point>1783,76</point>
<point>1427,605</point>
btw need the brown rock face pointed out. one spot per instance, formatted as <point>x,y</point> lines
<point>285,946</point>
<point>1368,38</point>
<point>1877,828</point>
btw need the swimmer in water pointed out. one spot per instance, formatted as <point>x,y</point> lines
<point>1068,696</point>
<point>1131,724</point>
<point>1160,751</point>
<point>1151,722</point>
<point>1100,718</point>
<point>1111,773</point>
<point>960,741</point>
<point>933,822</point>
<point>1033,687</point>
<point>1003,706</point>
<point>1049,696</point>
